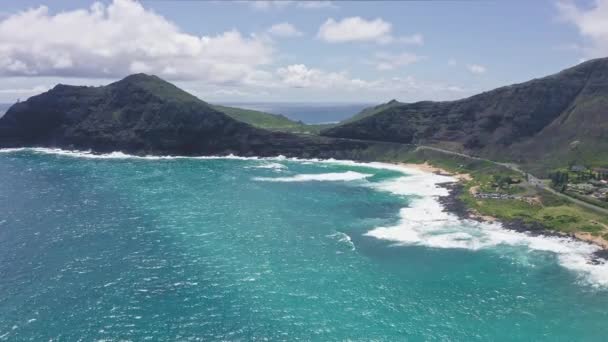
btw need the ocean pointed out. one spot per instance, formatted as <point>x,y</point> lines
<point>116,247</point>
<point>309,113</point>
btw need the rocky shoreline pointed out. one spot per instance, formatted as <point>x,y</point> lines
<point>453,204</point>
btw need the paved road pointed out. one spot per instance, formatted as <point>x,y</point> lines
<point>534,181</point>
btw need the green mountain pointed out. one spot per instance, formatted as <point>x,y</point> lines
<point>273,122</point>
<point>542,124</point>
<point>372,111</point>
<point>145,115</point>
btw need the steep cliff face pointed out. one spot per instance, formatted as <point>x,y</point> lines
<point>144,114</point>
<point>560,115</point>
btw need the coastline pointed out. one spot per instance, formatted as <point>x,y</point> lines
<point>450,202</point>
<point>426,167</point>
<point>453,204</point>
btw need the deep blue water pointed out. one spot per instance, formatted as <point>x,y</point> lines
<point>310,113</point>
<point>223,249</point>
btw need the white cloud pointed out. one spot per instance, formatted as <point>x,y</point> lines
<point>268,4</point>
<point>415,39</point>
<point>387,61</point>
<point>284,30</point>
<point>26,91</point>
<point>312,79</point>
<point>300,76</point>
<point>316,4</point>
<point>232,93</point>
<point>421,89</point>
<point>354,29</point>
<point>476,68</point>
<point>282,4</point>
<point>592,24</point>
<point>40,48</point>
<point>451,62</point>
<point>122,38</point>
<point>357,29</point>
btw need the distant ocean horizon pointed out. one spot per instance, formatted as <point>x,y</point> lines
<point>307,112</point>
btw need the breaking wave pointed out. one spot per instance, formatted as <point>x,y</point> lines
<point>319,177</point>
<point>117,155</point>
<point>343,238</point>
<point>272,166</point>
<point>426,223</point>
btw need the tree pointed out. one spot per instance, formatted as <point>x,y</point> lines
<point>558,178</point>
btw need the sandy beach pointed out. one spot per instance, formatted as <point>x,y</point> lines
<point>455,205</point>
<point>426,167</point>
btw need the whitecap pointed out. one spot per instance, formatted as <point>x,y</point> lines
<point>319,177</point>
<point>344,238</point>
<point>270,165</point>
<point>426,223</point>
<point>12,150</point>
<point>116,154</point>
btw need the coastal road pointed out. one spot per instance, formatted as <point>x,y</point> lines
<point>532,180</point>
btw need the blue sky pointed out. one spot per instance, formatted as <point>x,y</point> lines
<point>320,51</point>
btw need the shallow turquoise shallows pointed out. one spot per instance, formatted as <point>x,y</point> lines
<point>227,249</point>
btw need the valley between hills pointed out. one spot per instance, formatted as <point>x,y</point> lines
<point>537,152</point>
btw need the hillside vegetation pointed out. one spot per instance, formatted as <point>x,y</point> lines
<point>542,124</point>
<point>144,114</point>
<point>269,121</point>
<point>531,208</point>
<point>367,112</point>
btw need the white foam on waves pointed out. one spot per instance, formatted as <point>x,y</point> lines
<point>426,223</point>
<point>116,155</point>
<point>344,238</point>
<point>319,177</point>
<point>271,165</point>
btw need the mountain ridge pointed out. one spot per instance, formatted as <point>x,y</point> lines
<point>509,123</point>
<point>543,123</point>
<point>269,121</point>
<point>370,111</point>
<point>144,114</point>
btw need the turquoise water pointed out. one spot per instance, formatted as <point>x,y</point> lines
<point>227,249</point>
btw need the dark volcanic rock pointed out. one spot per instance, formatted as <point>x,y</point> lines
<point>143,114</point>
<point>452,202</point>
<point>600,257</point>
